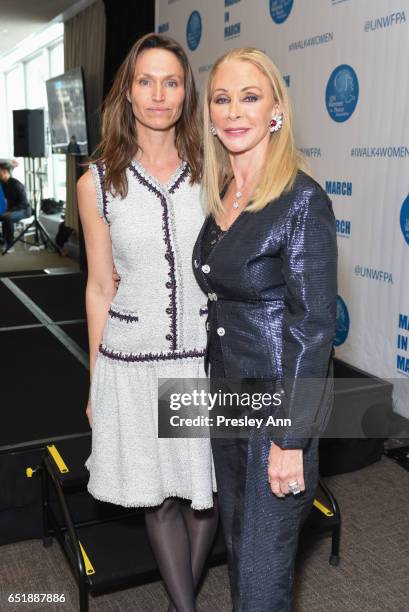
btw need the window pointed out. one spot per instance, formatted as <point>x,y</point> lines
<point>36,74</point>
<point>15,99</point>
<point>58,165</point>
<point>23,84</point>
<point>56,60</point>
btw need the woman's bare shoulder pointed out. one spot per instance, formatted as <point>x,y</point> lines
<point>85,183</point>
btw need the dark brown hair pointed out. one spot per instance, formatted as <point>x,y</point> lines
<point>119,142</point>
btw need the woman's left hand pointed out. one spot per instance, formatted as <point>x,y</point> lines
<point>285,466</point>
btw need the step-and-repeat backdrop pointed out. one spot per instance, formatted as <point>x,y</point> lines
<point>346,63</point>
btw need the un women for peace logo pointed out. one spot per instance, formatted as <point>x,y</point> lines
<point>280,9</point>
<point>342,93</point>
<point>194,30</point>
<point>342,322</point>
<point>404,219</point>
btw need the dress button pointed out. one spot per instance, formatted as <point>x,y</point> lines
<point>221,331</point>
<point>206,269</point>
<point>169,337</point>
<point>169,285</point>
<point>212,297</point>
<point>168,311</point>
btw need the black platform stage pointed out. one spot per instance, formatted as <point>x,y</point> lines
<point>44,368</point>
<point>45,383</point>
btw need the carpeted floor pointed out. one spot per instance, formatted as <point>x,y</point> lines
<point>374,570</point>
<point>373,574</point>
<point>24,259</point>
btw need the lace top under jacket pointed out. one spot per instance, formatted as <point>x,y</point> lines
<point>213,234</point>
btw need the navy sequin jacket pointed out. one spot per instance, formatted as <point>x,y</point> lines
<point>272,285</point>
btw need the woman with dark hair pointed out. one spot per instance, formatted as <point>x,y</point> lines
<point>140,210</point>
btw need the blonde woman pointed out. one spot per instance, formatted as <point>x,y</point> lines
<point>267,258</point>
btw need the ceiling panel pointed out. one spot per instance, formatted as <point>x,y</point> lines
<point>22,18</point>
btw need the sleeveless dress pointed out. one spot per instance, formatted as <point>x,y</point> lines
<point>155,329</point>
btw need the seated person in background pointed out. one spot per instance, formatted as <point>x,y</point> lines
<point>3,203</point>
<point>17,204</point>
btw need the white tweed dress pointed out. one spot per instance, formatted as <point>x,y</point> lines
<point>155,328</point>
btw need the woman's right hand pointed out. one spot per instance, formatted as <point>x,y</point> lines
<point>116,277</point>
<point>88,412</point>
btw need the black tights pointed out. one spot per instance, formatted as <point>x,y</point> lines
<point>181,539</point>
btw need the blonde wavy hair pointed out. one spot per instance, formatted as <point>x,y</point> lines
<point>283,160</point>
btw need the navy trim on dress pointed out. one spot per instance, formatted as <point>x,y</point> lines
<point>169,256</point>
<point>104,195</point>
<point>122,316</point>
<point>180,180</point>
<point>138,357</point>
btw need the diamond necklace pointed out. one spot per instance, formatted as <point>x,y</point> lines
<point>235,204</point>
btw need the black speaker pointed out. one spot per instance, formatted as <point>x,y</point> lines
<point>28,129</point>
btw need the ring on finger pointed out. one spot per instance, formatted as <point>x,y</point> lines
<point>294,487</point>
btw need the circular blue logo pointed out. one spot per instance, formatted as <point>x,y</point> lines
<point>404,219</point>
<point>194,30</point>
<point>280,9</point>
<point>342,322</point>
<point>341,95</point>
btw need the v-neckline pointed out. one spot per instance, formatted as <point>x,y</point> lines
<point>231,224</point>
<point>225,232</point>
<point>161,186</point>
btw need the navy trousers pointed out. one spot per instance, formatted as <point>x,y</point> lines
<point>261,530</point>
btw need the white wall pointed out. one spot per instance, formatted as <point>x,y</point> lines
<point>346,63</point>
